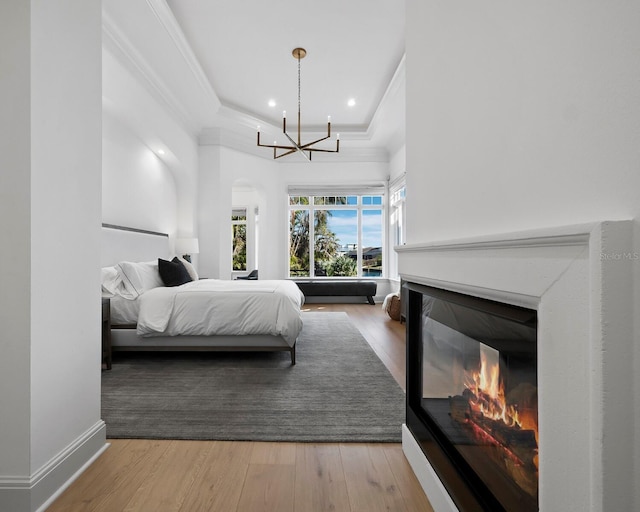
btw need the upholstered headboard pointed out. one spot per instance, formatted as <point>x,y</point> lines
<point>121,243</point>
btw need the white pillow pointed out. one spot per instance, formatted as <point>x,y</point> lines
<point>139,277</point>
<point>111,281</point>
<point>190,268</point>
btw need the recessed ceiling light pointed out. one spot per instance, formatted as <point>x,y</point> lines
<point>272,103</point>
<point>161,152</point>
<point>351,102</point>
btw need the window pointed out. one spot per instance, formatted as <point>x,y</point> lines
<point>239,238</point>
<point>335,235</point>
<point>397,216</point>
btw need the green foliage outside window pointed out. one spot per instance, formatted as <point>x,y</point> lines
<point>239,246</point>
<point>299,243</point>
<point>342,266</point>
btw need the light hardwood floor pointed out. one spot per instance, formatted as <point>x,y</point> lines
<point>216,476</point>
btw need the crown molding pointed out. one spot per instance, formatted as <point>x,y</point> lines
<point>397,82</point>
<point>168,21</point>
<point>243,118</point>
<point>125,52</point>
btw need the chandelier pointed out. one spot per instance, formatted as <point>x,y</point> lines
<point>299,53</point>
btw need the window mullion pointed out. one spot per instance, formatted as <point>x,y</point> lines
<point>359,247</point>
<point>312,240</point>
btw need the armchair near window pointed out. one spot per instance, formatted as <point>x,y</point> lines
<point>253,275</point>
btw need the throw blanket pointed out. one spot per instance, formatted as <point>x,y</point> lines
<point>215,307</point>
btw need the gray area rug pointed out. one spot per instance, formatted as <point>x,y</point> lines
<point>338,391</point>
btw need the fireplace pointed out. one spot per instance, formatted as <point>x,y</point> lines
<point>472,396</point>
<point>580,282</point>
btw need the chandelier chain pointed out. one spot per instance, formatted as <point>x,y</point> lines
<point>298,84</point>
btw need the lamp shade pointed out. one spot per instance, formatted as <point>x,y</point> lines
<point>187,246</point>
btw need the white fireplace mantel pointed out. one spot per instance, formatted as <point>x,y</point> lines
<point>580,280</point>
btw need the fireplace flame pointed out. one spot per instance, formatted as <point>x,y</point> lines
<point>487,397</point>
<point>485,384</point>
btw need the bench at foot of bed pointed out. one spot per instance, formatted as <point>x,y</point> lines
<point>339,288</point>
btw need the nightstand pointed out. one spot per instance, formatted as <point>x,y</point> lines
<point>106,333</point>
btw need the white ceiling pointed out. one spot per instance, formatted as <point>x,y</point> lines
<point>219,63</point>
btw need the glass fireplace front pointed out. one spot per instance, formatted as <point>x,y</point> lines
<point>472,396</point>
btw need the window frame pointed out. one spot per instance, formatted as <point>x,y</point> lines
<point>311,207</point>
<point>397,222</point>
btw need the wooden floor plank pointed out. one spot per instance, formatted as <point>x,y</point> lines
<point>95,484</point>
<point>171,481</point>
<point>320,483</point>
<point>370,482</point>
<point>383,339</point>
<point>219,485</point>
<point>113,479</point>
<point>268,488</point>
<point>273,453</point>
<point>407,481</point>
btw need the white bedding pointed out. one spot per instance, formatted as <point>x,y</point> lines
<point>123,310</point>
<point>216,307</point>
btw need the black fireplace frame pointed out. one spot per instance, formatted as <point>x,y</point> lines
<point>467,490</point>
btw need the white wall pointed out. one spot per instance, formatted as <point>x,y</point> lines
<point>140,187</point>
<point>521,115</point>
<point>50,373</point>
<point>398,163</point>
<point>65,213</point>
<point>15,228</point>
<point>138,190</point>
<point>210,211</point>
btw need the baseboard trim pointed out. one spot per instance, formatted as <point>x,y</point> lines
<point>36,492</point>
<point>431,484</point>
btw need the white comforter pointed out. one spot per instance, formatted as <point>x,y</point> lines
<point>215,307</point>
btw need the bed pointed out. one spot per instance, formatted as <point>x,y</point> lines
<point>151,311</point>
